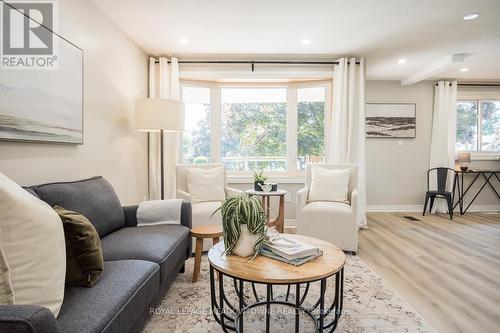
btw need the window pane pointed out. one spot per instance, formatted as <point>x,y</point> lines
<point>196,137</point>
<point>466,126</point>
<point>310,126</point>
<point>490,139</point>
<point>253,128</point>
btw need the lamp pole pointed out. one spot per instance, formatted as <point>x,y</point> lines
<point>162,171</point>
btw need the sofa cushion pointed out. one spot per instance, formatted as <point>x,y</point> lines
<point>94,198</point>
<point>115,302</point>
<point>161,244</point>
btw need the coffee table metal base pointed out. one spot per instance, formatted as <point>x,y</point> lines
<point>231,316</point>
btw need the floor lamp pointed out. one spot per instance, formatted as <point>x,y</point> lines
<point>159,115</point>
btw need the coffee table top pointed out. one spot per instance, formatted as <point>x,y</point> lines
<point>263,193</point>
<point>266,270</point>
<point>206,231</point>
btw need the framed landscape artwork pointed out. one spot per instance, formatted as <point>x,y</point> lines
<point>391,120</point>
<point>44,105</point>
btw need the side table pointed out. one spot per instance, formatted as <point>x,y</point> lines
<point>279,222</point>
<point>201,232</point>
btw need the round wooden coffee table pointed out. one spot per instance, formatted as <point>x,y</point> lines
<point>200,232</point>
<point>269,272</point>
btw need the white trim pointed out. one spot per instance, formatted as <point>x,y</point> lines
<point>475,156</point>
<point>290,223</point>
<point>420,208</point>
<point>235,179</point>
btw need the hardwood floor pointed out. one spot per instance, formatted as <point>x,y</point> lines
<point>449,271</point>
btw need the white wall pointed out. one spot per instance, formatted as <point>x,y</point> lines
<point>115,74</point>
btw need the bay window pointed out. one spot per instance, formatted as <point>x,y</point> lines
<point>277,127</point>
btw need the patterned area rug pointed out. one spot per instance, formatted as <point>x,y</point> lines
<point>370,305</point>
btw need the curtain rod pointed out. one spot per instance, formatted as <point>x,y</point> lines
<point>258,62</point>
<point>477,84</point>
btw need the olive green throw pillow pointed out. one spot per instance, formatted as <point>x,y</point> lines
<point>84,260</point>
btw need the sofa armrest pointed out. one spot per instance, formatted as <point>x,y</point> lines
<point>27,319</point>
<point>186,214</point>
<point>232,192</point>
<point>302,198</point>
<point>354,203</point>
<point>130,213</point>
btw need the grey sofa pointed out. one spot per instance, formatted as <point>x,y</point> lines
<point>140,264</point>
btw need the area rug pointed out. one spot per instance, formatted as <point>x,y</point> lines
<point>370,305</point>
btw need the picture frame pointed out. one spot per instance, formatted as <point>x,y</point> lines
<point>44,106</point>
<point>391,120</point>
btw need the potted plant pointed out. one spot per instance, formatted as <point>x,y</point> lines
<point>258,180</point>
<point>244,225</point>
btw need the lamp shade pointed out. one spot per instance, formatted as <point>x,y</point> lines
<point>464,157</point>
<point>155,114</point>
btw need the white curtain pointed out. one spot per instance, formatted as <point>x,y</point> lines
<point>345,125</point>
<point>444,127</point>
<point>163,83</point>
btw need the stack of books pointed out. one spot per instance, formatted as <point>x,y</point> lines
<point>280,247</point>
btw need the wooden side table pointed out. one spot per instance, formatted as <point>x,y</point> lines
<point>201,232</point>
<point>279,222</point>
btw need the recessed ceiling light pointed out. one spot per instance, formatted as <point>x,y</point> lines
<point>402,61</point>
<point>305,42</point>
<point>465,69</point>
<point>472,16</point>
<point>183,40</point>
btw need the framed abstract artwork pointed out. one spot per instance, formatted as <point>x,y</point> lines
<point>44,105</point>
<point>391,120</point>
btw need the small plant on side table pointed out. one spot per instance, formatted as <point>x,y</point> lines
<point>258,180</point>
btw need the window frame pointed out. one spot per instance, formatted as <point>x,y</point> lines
<point>291,121</point>
<point>480,154</point>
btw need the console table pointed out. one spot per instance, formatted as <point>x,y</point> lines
<point>487,176</point>
<point>231,307</point>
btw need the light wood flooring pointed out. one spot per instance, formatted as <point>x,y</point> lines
<point>449,271</point>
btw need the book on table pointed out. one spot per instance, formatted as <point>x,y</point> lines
<point>287,249</point>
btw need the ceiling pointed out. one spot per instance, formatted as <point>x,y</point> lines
<point>423,32</point>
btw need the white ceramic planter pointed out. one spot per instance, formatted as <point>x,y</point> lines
<point>246,243</point>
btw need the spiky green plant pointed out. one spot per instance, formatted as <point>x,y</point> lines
<point>259,177</point>
<point>240,210</point>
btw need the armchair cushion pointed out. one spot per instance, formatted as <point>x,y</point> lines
<point>206,185</point>
<point>329,185</point>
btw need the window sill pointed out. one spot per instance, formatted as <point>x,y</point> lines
<point>235,179</point>
<point>485,157</point>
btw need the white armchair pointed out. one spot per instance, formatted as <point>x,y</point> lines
<point>201,211</point>
<point>334,222</point>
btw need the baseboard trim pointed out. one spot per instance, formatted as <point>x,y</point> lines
<point>420,208</point>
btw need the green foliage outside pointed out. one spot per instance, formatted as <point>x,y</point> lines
<point>467,126</point>
<point>310,130</point>
<point>254,129</point>
<point>258,130</point>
